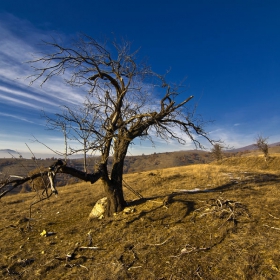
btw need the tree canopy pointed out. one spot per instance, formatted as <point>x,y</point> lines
<point>125,100</point>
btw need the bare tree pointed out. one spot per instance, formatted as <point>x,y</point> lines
<point>76,124</point>
<point>63,127</point>
<point>217,151</point>
<point>126,100</point>
<point>262,144</point>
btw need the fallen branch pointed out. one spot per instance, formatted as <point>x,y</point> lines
<point>271,227</point>
<point>159,244</point>
<point>225,209</point>
<point>191,249</point>
<point>58,167</point>
<point>273,217</point>
<point>89,248</point>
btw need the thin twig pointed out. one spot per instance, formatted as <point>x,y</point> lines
<point>271,227</point>
<point>89,248</point>
<point>273,217</point>
<point>159,244</point>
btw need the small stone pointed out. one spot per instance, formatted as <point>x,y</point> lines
<point>184,250</point>
<point>129,210</point>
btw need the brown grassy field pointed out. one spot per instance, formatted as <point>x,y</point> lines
<point>22,167</point>
<point>207,221</point>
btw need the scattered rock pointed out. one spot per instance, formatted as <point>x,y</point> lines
<point>99,209</point>
<point>129,210</point>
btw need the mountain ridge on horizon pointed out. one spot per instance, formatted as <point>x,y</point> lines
<point>250,147</point>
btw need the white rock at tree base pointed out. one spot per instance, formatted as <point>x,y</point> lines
<point>99,209</point>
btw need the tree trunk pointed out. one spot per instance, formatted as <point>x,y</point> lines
<point>115,199</point>
<point>85,156</point>
<point>113,186</point>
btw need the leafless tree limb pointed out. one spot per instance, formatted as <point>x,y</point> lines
<point>121,105</point>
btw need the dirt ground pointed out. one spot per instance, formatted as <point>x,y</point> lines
<point>216,221</point>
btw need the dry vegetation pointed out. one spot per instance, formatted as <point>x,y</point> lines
<point>208,221</point>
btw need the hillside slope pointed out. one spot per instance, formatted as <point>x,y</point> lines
<point>217,221</point>
<point>22,167</point>
<point>252,162</point>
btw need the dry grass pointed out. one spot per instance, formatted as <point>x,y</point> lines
<point>228,228</point>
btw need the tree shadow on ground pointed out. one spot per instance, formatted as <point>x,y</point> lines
<point>177,197</point>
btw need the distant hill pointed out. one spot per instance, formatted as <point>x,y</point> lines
<point>251,147</point>
<point>165,160</point>
<point>243,149</point>
<point>21,166</point>
<point>7,151</point>
<point>274,144</point>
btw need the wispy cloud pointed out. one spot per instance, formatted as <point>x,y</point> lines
<point>15,51</point>
<point>28,96</point>
<point>233,137</point>
<point>16,101</point>
<point>16,117</point>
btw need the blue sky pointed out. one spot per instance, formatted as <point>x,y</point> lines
<point>228,50</point>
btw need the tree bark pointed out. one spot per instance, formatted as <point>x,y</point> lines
<point>113,186</point>
<point>92,177</point>
<point>115,198</point>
